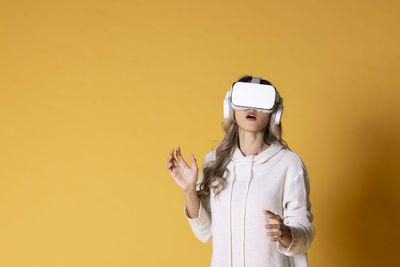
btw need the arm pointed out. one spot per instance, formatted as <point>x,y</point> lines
<point>197,213</point>
<point>297,213</point>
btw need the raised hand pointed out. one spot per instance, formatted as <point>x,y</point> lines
<point>184,176</point>
<point>280,232</point>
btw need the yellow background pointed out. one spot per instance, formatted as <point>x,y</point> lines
<point>95,93</point>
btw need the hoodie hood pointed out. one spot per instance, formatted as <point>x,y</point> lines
<point>258,159</point>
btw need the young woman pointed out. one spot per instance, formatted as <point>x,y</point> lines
<point>252,198</point>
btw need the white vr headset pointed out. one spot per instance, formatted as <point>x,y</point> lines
<point>253,95</point>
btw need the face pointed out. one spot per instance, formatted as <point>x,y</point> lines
<point>250,124</point>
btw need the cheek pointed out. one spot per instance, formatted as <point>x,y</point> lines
<point>240,115</point>
<point>266,120</point>
<point>265,117</point>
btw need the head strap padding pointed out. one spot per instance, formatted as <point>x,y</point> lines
<point>256,79</point>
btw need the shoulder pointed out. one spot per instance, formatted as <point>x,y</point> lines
<point>210,156</point>
<point>293,162</point>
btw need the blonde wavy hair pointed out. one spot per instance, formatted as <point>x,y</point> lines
<point>214,170</point>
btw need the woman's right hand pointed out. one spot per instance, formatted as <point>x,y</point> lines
<point>184,176</point>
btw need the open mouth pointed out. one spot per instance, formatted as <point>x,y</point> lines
<point>251,117</point>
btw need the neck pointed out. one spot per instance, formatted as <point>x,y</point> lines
<point>251,143</point>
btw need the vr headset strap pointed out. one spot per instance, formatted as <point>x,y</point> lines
<point>256,79</point>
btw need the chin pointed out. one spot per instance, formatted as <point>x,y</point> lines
<point>252,129</point>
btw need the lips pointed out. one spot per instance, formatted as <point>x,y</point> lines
<point>251,114</point>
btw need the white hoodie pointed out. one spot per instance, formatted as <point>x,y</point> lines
<point>275,179</point>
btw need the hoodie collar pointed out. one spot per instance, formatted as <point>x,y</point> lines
<point>260,158</point>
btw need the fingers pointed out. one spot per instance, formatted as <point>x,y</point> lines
<point>279,226</point>
<point>179,156</point>
<point>277,229</point>
<point>171,161</point>
<point>194,161</point>
<point>275,236</point>
<point>272,216</point>
<point>170,166</point>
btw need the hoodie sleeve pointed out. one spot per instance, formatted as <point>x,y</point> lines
<point>201,225</point>
<point>297,213</point>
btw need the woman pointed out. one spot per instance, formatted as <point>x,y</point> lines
<point>252,198</point>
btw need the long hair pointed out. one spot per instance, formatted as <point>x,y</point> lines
<point>214,170</point>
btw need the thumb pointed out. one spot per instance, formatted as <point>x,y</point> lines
<point>269,214</point>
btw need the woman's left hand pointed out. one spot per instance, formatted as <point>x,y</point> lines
<point>280,232</point>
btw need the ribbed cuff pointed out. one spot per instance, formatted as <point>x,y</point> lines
<point>201,218</point>
<point>289,250</point>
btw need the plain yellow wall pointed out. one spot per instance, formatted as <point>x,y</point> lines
<point>94,94</point>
